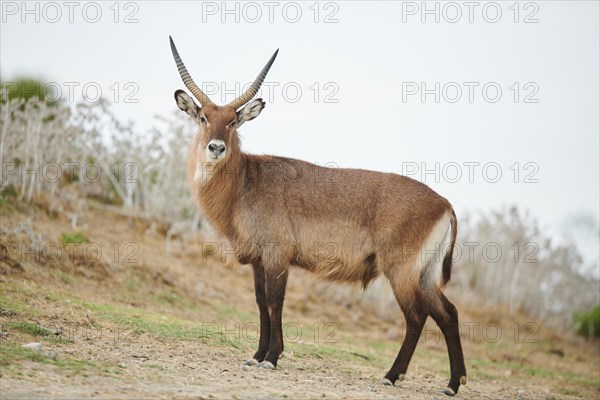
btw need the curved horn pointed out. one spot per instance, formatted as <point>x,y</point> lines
<point>187,79</point>
<point>253,89</point>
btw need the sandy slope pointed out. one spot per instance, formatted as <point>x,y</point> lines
<point>152,315</point>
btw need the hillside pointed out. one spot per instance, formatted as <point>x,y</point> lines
<point>119,317</point>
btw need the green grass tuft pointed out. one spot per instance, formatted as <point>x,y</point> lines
<point>73,238</point>
<point>28,328</point>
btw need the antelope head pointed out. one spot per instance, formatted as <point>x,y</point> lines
<point>218,124</point>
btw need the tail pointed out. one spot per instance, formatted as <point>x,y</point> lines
<point>447,266</point>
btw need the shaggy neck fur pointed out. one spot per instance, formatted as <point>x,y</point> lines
<point>219,188</point>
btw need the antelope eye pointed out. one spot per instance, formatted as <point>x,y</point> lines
<point>202,119</point>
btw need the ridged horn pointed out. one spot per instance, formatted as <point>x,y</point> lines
<point>253,89</point>
<point>187,79</point>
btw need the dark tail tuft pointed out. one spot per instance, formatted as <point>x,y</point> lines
<point>447,266</point>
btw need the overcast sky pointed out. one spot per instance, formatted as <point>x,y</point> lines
<point>355,84</point>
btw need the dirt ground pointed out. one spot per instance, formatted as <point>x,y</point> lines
<point>136,322</point>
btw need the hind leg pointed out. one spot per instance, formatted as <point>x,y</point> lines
<point>446,316</point>
<point>415,314</point>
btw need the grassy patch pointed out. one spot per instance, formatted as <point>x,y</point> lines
<point>560,377</point>
<point>570,392</point>
<point>170,298</point>
<point>154,366</point>
<point>481,370</point>
<point>73,238</point>
<point>11,306</point>
<point>12,355</point>
<point>62,276</point>
<point>137,320</point>
<point>129,319</point>
<point>28,328</point>
<point>133,284</point>
<point>226,312</point>
<point>339,352</point>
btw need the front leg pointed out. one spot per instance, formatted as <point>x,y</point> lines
<point>265,321</point>
<point>276,281</point>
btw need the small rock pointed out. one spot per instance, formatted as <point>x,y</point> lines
<point>34,346</point>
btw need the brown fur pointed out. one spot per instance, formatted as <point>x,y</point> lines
<point>351,227</point>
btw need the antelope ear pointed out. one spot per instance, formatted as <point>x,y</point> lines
<point>250,111</point>
<point>187,104</point>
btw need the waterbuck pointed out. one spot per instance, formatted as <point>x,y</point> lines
<point>345,225</point>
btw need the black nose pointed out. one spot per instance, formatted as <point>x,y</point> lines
<point>216,149</point>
